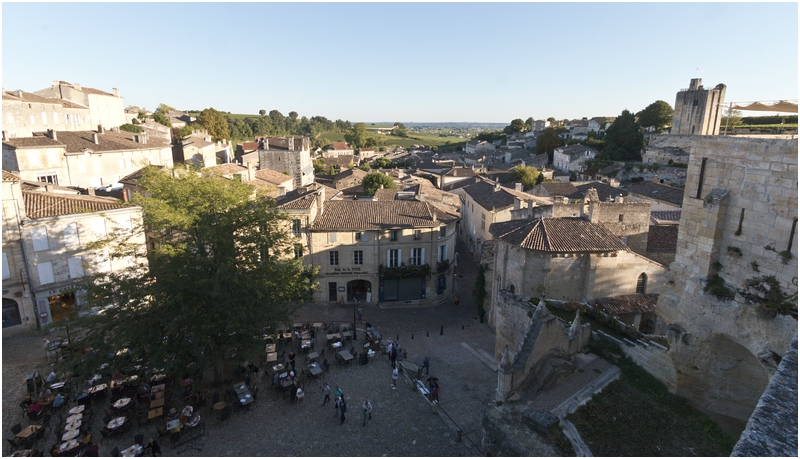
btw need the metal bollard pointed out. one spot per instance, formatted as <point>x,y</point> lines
<point>441,331</point>
<point>462,326</point>
<point>412,336</point>
<point>427,334</point>
<point>458,435</point>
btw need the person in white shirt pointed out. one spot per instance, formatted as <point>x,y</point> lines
<point>367,406</point>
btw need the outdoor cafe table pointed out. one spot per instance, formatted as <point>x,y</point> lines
<point>346,356</point>
<point>240,388</point>
<point>278,367</point>
<point>74,425</point>
<point>219,406</point>
<point>67,446</point>
<point>174,425</point>
<point>306,344</point>
<point>58,385</point>
<point>116,423</point>
<point>312,356</point>
<point>336,345</point>
<point>132,451</point>
<point>306,335</point>
<point>76,409</point>
<point>75,417</point>
<point>122,403</point>
<point>22,453</point>
<point>333,336</point>
<point>155,413</point>
<point>246,399</point>
<point>272,357</point>
<point>270,347</point>
<point>28,431</point>
<point>157,403</point>
<point>70,434</point>
<point>347,335</point>
<point>314,369</point>
<point>287,336</point>
<point>157,377</point>
<point>316,325</point>
<point>98,388</point>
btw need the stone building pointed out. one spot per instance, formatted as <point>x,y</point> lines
<point>18,301</point>
<point>698,111</point>
<point>572,158</point>
<point>379,251</point>
<point>199,150</point>
<point>738,223</point>
<point>338,149</point>
<point>25,113</point>
<point>661,197</point>
<point>83,158</point>
<point>289,155</point>
<point>106,109</point>
<point>49,234</point>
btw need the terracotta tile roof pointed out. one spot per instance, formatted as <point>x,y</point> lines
<point>604,191</point>
<point>196,142</point>
<point>9,177</point>
<point>665,216</point>
<point>365,215</point>
<point>301,198</point>
<point>30,185</point>
<point>341,160</point>
<point>662,238</point>
<point>460,172</point>
<point>32,142</point>
<point>86,90</point>
<point>628,304</point>
<point>249,146</point>
<point>354,172</point>
<point>559,188</point>
<point>43,205</point>
<point>271,176</point>
<point>133,177</point>
<point>385,195</point>
<point>224,169</point>
<point>341,146</point>
<point>658,191</point>
<point>31,97</point>
<point>484,194</point>
<point>558,235</point>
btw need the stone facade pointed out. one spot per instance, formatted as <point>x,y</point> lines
<point>18,309</point>
<point>106,109</point>
<point>739,208</point>
<point>651,356</point>
<point>25,113</point>
<point>698,111</point>
<point>289,155</point>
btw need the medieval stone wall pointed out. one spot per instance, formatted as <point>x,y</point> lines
<point>651,356</point>
<point>724,350</point>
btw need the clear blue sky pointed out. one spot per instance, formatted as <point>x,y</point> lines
<point>480,62</point>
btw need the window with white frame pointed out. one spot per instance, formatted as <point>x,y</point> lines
<point>55,118</point>
<point>6,270</point>
<point>393,235</point>
<point>75,267</point>
<point>442,253</point>
<point>48,178</point>
<point>46,275</point>
<point>333,258</point>
<point>418,256</point>
<point>359,235</point>
<point>296,227</point>
<point>358,257</point>
<point>39,237</point>
<point>393,258</point>
<point>331,237</point>
<point>71,235</point>
<point>44,117</point>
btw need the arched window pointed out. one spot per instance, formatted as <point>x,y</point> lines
<point>511,289</point>
<point>641,284</point>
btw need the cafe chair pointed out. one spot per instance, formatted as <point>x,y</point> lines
<point>17,428</point>
<point>13,443</point>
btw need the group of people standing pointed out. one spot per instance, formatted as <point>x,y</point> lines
<point>340,405</point>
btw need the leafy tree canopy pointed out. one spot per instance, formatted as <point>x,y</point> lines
<point>206,297</point>
<point>131,128</point>
<point>657,115</point>
<point>215,123</point>
<point>516,125</point>
<point>548,141</point>
<point>624,139</point>
<point>373,181</point>
<point>320,168</point>
<point>400,130</point>
<point>357,136</point>
<point>527,175</point>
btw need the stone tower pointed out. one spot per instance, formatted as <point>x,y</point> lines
<point>698,110</point>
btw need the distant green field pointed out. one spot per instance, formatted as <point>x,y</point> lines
<point>413,139</point>
<point>332,136</point>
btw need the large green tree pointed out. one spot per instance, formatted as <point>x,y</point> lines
<point>357,135</point>
<point>219,277</point>
<point>161,115</point>
<point>215,123</point>
<point>527,175</point>
<point>517,125</point>
<point>657,115</point>
<point>373,181</point>
<point>548,141</point>
<point>624,139</point>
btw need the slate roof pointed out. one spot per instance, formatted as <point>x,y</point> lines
<point>271,176</point>
<point>31,97</point>
<point>79,141</point>
<point>369,215</point>
<point>385,194</point>
<point>32,142</point>
<point>628,304</point>
<point>576,150</point>
<point>358,173</point>
<point>43,205</point>
<point>665,216</point>
<point>558,235</point>
<point>663,238</point>
<point>559,188</point>
<point>460,172</point>
<point>658,191</point>
<point>298,199</point>
<point>604,191</point>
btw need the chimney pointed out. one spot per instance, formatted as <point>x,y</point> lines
<point>695,84</point>
<point>77,86</point>
<point>125,192</point>
<point>49,187</point>
<point>100,129</point>
<point>320,200</point>
<point>136,138</point>
<point>251,171</point>
<point>52,134</point>
<point>621,199</point>
<point>95,138</point>
<point>5,135</point>
<point>143,137</point>
<point>518,186</point>
<point>18,93</point>
<point>530,203</point>
<point>91,191</point>
<point>115,91</point>
<point>381,187</point>
<point>290,143</point>
<point>496,186</point>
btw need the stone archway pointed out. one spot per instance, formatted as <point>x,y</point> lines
<point>724,380</point>
<point>11,315</point>
<point>359,289</point>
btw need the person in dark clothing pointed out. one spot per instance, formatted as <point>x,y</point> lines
<point>92,451</point>
<point>291,360</point>
<point>426,364</point>
<point>342,408</point>
<point>154,447</point>
<point>393,356</point>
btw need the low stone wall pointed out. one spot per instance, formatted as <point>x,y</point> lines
<point>653,357</point>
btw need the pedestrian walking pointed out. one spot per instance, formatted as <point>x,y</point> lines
<point>336,405</point>
<point>343,408</point>
<point>393,356</point>
<point>337,395</point>
<point>359,313</point>
<point>455,300</point>
<point>394,378</point>
<point>291,360</point>
<point>367,406</point>
<point>435,393</point>
<point>426,365</point>
<point>326,389</point>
